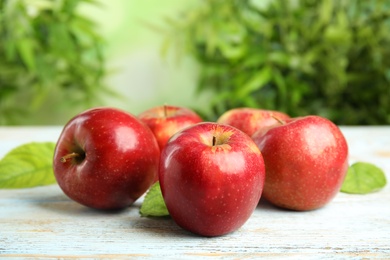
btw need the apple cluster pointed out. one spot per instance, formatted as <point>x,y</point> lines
<point>212,174</point>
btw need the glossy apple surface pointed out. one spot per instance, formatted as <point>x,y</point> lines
<point>164,121</point>
<point>306,161</point>
<point>211,178</point>
<point>105,158</point>
<point>250,120</point>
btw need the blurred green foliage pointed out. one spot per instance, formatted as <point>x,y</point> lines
<point>330,57</point>
<point>47,50</point>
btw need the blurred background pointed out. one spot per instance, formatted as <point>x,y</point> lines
<point>330,57</point>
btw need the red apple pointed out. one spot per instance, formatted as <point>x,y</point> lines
<point>250,120</point>
<point>211,178</point>
<point>164,121</point>
<point>105,158</point>
<point>306,161</point>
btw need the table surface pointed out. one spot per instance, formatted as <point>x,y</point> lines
<point>42,222</point>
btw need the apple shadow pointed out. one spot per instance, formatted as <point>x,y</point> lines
<point>162,227</point>
<point>129,217</point>
<point>61,204</point>
<point>266,205</point>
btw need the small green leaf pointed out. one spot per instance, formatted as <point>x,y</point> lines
<point>363,178</point>
<point>154,205</point>
<point>28,165</point>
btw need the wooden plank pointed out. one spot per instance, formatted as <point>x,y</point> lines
<point>42,222</point>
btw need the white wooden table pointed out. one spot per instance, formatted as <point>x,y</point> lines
<point>43,223</point>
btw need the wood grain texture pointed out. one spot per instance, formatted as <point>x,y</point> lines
<point>42,222</point>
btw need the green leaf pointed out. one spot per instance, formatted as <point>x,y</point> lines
<point>325,12</point>
<point>257,81</point>
<point>48,47</point>
<point>363,178</point>
<point>28,165</point>
<point>154,205</point>
<point>26,51</point>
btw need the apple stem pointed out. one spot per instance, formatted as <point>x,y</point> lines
<point>165,111</point>
<point>214,140</point>
<point>69,156</point>
<point>280,121</point>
